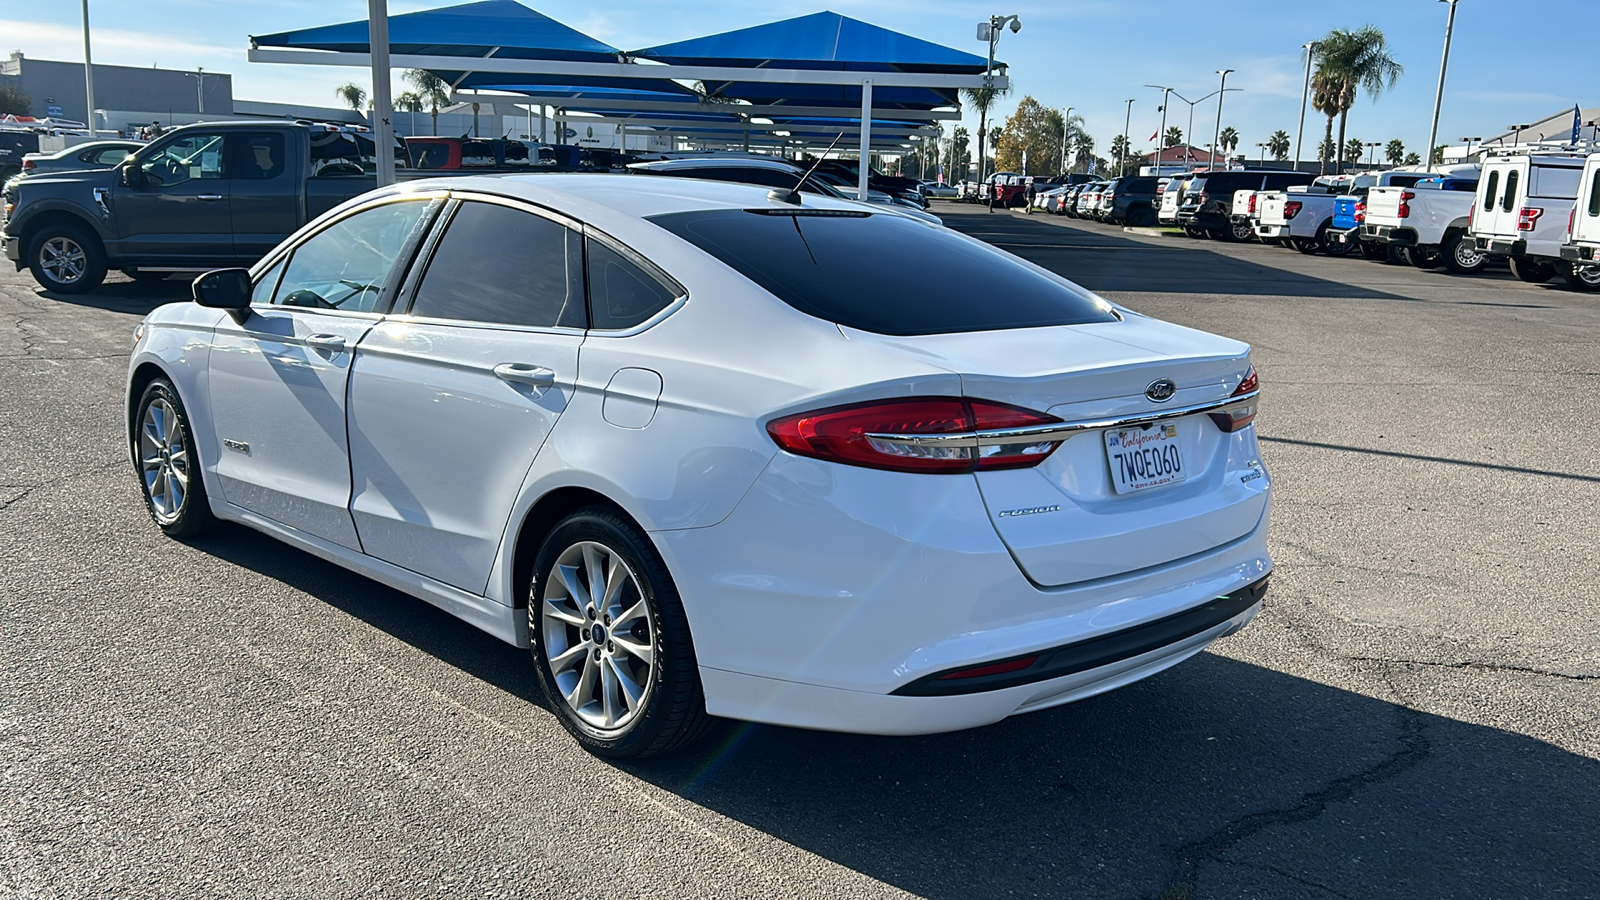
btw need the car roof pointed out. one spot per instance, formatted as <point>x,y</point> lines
<point>716,162</point>
<point>89,145</point>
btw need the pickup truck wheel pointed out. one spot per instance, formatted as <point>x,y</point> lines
<point>1394,255</point>
<point>1461,256</point>
<point>64,260</point>
<point>1305,245</point>
<point>1582,278</point>
<point>1241,232</point>
<point>1328,245</point>
<point>1532,272</point>
<point>1196,233</point>
<point>1422,257</point>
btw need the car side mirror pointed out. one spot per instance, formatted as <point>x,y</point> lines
<point>227,289</point>
<point>132,176</point>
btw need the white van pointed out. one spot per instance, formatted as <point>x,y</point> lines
<point>1521,210</point>
<point>1582,247</point>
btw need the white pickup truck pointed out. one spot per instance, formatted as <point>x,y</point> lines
<point>1428,221</point>
<point>1521,210</point>
<point>1582,248</point>
<point>1302,217</point>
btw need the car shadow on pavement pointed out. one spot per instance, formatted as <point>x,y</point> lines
<point>1215,778</point>
<point>1101,258</point>
<point>126,295</point>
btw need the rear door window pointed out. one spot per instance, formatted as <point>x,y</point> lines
<point>1594,195</point>
<point>1510,200</point>
<point>831,264</point>
<point>1491,190</point>
<point>499,265</point>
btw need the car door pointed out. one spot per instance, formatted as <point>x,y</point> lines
<point>180,209</point>
<point>278,380</point>
<point>451,401</point>
<point>265,206</point>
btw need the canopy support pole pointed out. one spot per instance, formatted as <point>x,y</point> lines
<point>382,112</point>
<point>866,139</point>
<point>542,138</point>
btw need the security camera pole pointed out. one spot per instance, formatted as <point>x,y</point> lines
<point>990,31</point>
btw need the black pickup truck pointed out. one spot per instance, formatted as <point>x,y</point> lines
<point>204,196</point>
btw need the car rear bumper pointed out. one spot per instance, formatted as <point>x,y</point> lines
<point>1584,253</point>
<point>1500,246</point>
<point>1390,234</point>
<point>1344,235</point>
<point>832,592</point>
<point>1272,231</point>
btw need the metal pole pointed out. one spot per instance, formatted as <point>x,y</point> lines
<point>1161,139</point>
<point>866,138</point>
<point>88,71</point>
<point>1066,127</point>
<point>1127,122</point>
<point>1438,97</point>
<point>1188,139</point>
<point>988,85</point>
<point>1311,51</point>
<point>199,90</point>
<point>382,126</point>
<point>1222,95</point>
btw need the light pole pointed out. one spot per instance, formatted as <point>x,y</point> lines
<point>1161,136</point>
<point>1189,136</point>
<point>1438,97</point>
<point>1469,141</point>
<point>987,31</point>
<point>1263,147</point>
<point>1127,122</point>
<point>1066,128</point>
<point>200,90</point>
<point>88,71</point>
<point>1300,137</point>
<point>1218,137</point>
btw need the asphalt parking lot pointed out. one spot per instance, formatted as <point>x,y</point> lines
<point>1416,713</point>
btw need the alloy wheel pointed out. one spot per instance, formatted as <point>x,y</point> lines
<point>599,636</point>
<point>63,259</point>
<point>163,460</point>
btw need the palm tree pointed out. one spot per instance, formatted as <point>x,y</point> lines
<point>1347,63</point>
<point>1279,144</point>
<point>983,100</point>
<point>1395,152</point>
<point>1174,137</point>
<point>1083,150</point>
<point>1354,148</point>
<point>1412,159</point>
<point>1229,138</point>
<point>433,90</point>
<point>1119,149</point>
<point>353,96</point>
<point>408,101</point>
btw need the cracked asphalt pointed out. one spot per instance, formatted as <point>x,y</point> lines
<point>1416,713</point>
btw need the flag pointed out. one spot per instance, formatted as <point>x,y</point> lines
<point>1577,122</point>
<point>1155,134</point>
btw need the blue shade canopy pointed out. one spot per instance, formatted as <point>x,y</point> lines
<point>508,28</point>
<point>824,40</point>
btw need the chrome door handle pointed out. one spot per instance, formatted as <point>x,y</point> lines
<point>209,197</point>
<point>526,373</point>
<point>332,343</point>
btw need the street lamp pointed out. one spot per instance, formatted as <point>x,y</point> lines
<point>1218,137</point>
<point>1469,141</point>
<point>1438,97</point>
<point>1122,159</point>
<point>1300,137</point>
<point>1192,103</point>
<point>1161,136</point>
<point>987,31</point>
<point>1263,145</point>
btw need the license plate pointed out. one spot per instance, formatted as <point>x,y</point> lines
<point>1143,458</point>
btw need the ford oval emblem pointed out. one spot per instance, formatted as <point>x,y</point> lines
<point>1161,390</point>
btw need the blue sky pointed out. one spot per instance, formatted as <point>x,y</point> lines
<point>1507,63</point>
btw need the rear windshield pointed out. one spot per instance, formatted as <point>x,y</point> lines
<point>883,273</point>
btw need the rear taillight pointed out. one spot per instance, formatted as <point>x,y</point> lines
<point>1528,217</point>
<point>1572,220</point>
<point>845,434</point>
<point>1252,209</point>
<point>1361,210</point>
<point>1235,418</point>
<point>1291,209</point>
<point>1405,206</point>
<point>29,165</point>
<point>1204,198</point>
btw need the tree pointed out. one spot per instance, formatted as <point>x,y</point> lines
<point>956,149</point>
<point>13,102</point>
<point>1438,155</point>
<point>1353,149</point>
<point>408,101</point>
<point>1279,145</point>
<point>1083,151</point>
<point>434,91</point>
<point>1413,159</point>
<point>1174,137</point>
<point>1036,130</point>
<point>1229,139</point>
<point>1119,149</point>
<point>1347,63</point>
<point>1394,152</point>
<point>1325,151</point>
<point>983,100</point>
<point>353,96</point>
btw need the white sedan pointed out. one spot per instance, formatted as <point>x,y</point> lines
<point>706,456</point>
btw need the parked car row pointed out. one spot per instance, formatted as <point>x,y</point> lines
<point>1520,209</point>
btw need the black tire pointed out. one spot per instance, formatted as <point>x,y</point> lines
<point>1531,271</point>
<point>1581,278</point>
<point>1395,255</point>
<point>1374,251</point>
<point>1141,217</point>
<point>56,250</point>
<point>1329,246</point>
<point>1240,232</point>
<point>1308,246</point>
<point>189,515</point>
<point>1461,256</point>
<point>1422,257</point>
<point>673,710</point>
<point>1198,234</point>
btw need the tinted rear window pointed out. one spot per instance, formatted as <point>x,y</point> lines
<point>884,273</point>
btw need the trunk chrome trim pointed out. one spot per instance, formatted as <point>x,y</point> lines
<point>1057,431</point>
